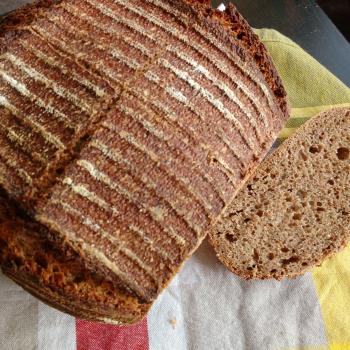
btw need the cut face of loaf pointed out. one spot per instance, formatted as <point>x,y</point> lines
<point>295,211</point>
<point>127,127</point>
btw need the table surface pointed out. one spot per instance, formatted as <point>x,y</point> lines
<point>301,20</point>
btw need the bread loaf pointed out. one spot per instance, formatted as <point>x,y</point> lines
<point>127,127</point>
<point>295,211</point>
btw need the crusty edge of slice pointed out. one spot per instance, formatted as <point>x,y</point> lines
<point>267,164</point>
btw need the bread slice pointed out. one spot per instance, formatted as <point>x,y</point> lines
<point>294,212</point>
<point>128,126</point>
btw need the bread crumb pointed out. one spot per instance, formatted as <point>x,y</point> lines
<point>173,322</point>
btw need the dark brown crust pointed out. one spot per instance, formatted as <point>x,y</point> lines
<point>259,53</point>
<point>75,309</point>
<point>53,300</point>
<point>12,23</point>
<point>35,278</point>
<point>230,19</point>
<point>250,44</point>
<point>11,27</point>
<point>226,38</point>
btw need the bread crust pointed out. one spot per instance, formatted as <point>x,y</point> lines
<point>246,40</point>
<point>28,258</point>
<point>248,43</point>
<point>246,48</point>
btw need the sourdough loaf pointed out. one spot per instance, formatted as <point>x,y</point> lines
<point>127,127</point>
<point>295,211</point>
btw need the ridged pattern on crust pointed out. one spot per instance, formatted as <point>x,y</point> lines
<point>59,279</point>
<point>144,136</point>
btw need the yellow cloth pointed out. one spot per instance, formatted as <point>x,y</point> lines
<point>311,89</point>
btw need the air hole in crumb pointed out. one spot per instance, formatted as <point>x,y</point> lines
<point>260,213</point>
<point>330,182</point>
<point>246,220</point>
<point>288,199</point>
<point>40,259</point>
<point>344,213</point>
<point>273,271</point>
<point>249,268</point>
<point>319,204</point>
<point>343,153</point>
<point>304,263</point>
<point>303,156</point>
<point>314,149</point>
<point>271,256</point>
<point>301,194</point>
<point>292,259</point>
<point>284,249</point>
<point>235,213</point>
<point>230,237</point>
<point>320,209</point>
<point>255,255</point>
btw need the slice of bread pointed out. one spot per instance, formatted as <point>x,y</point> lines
<point>294,212</point>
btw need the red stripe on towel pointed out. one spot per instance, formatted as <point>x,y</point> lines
<point>98,336</point>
